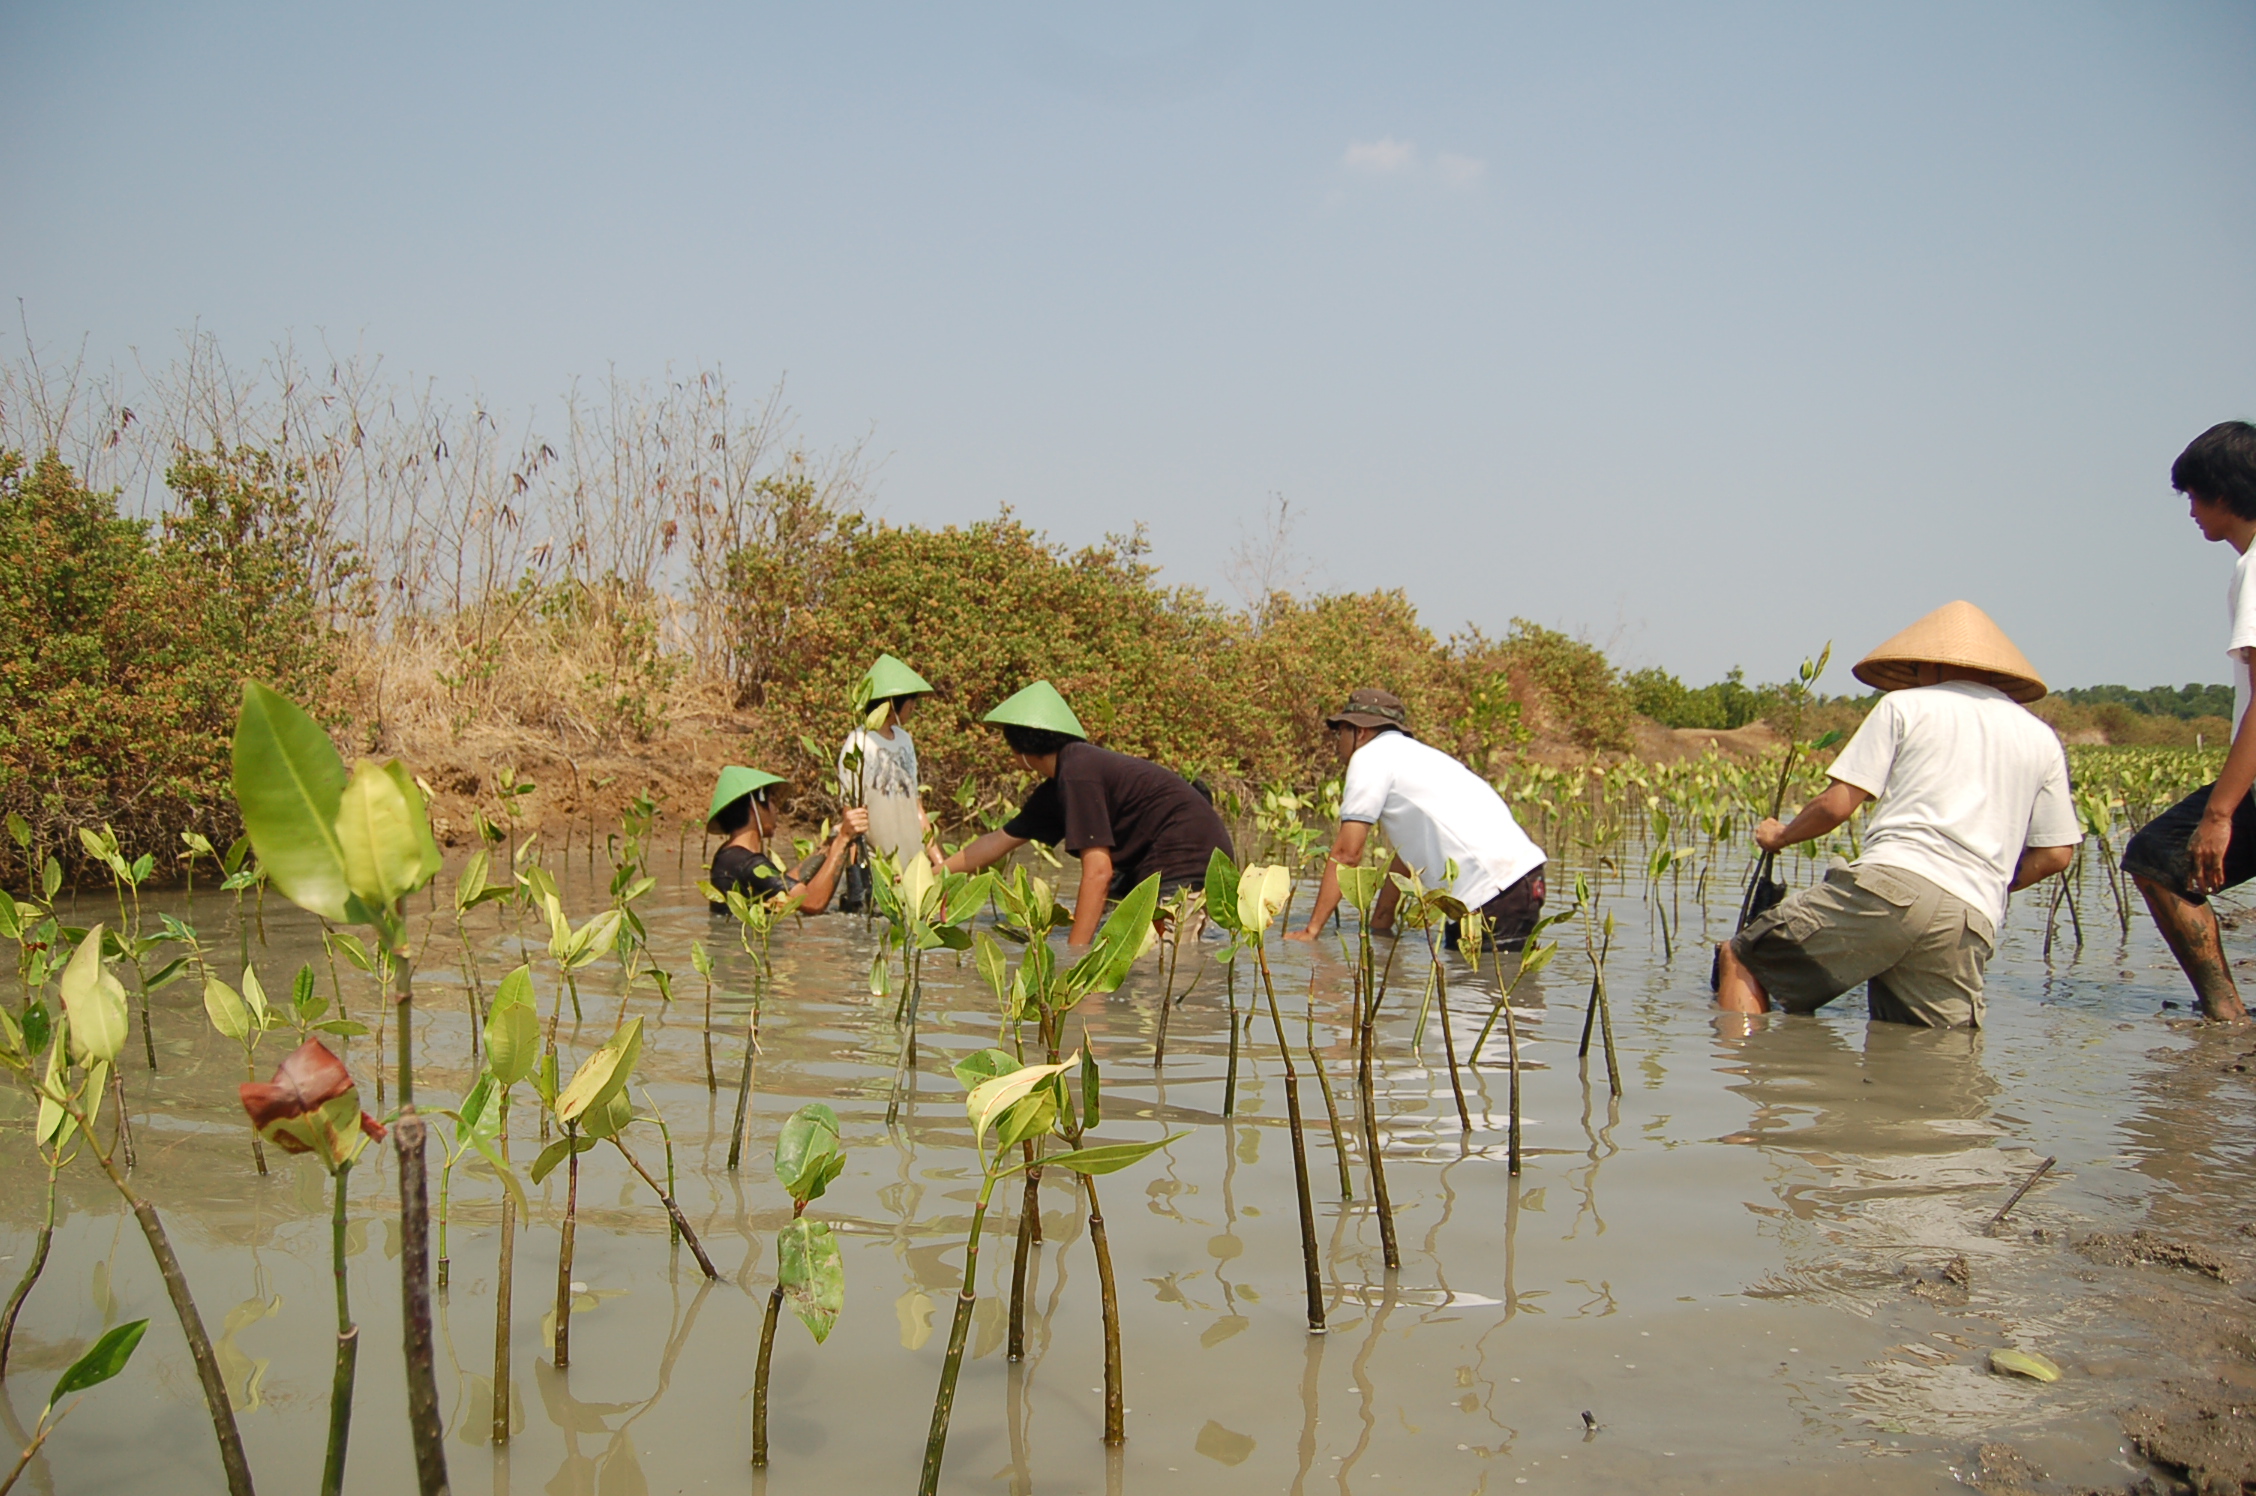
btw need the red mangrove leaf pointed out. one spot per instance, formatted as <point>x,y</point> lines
<point>311,1106</point>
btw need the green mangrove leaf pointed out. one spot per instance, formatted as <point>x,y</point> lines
<point>304,1001</point>
<point>1105,1158</point>
<point>344,1028</point>
<point>472,883</point>
<point>812,1275</point>
<point>1089,1107</point>
<point>954,937</point>
<point>611,1118</point>
<point>226,1009</point>
<point>473,1108</point>
<point>983,1065</point>
<point>556,1152</point>
<point>993,964</point>
<point>592,941</point>
<point>104,1359</point>
<point>1360,885</point>
<point>482,1139</point>
<point>289,783</point>
<point>808,1154</point>
<point>1261,893</point>
<point>2024,1364</point>
<point>376,832</point>
<point>95,1001</point>
<point>11,917</point>
<point>55,1124</point>
<point>990,1099</point>
<point>1125,935</point>
<point>1222,879</point>
<point>602,1075</point>
<point>350,945</point>
<point>701,958</point>
<point>1029,1116</point>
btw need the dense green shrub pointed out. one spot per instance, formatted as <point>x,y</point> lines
<point>123,648</point>
<point>2182,702</point>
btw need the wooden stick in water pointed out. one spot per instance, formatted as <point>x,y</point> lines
<point>2027,1184</point>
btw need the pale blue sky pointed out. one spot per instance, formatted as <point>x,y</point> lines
<point>1707,332</point>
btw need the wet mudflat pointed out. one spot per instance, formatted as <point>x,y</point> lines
<point>1762,1267</point>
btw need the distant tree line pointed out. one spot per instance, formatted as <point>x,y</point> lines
<point>2182,702</point>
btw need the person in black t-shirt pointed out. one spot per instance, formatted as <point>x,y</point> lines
<point>1124,817</point>
<point>741,813</point>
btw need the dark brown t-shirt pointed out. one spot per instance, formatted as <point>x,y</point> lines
<point>1151,818</point>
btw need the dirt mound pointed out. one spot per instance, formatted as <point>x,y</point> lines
<point>2134,1248</point>
<point>2210,1441</point>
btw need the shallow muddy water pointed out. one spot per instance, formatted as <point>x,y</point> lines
<point>1736,1270</point>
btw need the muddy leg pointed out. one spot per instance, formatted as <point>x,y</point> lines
<point>2191,930</point>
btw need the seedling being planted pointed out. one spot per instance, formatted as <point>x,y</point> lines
<point>809,1271</point>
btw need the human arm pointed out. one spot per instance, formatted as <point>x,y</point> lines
<point>816,891</point>
<point>1347,851</point>
<point>2214,835</point>
<point>2038,864</point>
<point>986,850</point>
<point>1823,814</point>
<point>1389,899</point>
<point>931,842</point>
<point>1089,902</point>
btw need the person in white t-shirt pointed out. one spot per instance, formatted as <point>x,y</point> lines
<point>1973,803</point>
<point>1438,813</point>
<point>2207,842</point>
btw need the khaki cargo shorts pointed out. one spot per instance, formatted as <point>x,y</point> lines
<point>1920,948</point>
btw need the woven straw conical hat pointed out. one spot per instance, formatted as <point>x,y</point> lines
<point>1954,634</point>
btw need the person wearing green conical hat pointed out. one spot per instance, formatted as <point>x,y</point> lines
<point>877,764</point>
<point>1124,817</point>
<point>741,813</point>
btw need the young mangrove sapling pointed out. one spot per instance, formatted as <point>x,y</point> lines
<point>809,1270</point>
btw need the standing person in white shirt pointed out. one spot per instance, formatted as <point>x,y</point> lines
<point>2207,842</point>
<point>877,766</point>
<point>1436,812</point>
<point>1973,803</point>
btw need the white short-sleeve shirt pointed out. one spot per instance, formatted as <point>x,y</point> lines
<point>2240,608</point>
<point>1436,811</point>
<point>1964,779</point>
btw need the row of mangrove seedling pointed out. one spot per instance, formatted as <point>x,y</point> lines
<point>351,848</point>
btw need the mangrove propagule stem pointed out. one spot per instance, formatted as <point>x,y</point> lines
<point>760,1379</point>
<point>38,1264</point>
<point>415,1293</point>
<point>673,1211</point>
<point>1512,1137</point>
<point>1448,1040</point>
<point>744,1082</point>
<point>1314,1278</point>
<point>1115,1395</point>
<point>1390,1249</point>
<point>231,1456</point>
<point>1331,1105</point>
<point>562,1357</point>
<point>31,1452</point>
<point>348,1345</point>
<point>1230,1081</point>
<point>1029,1229</point>
<point>944,1401</point>
<point>505,1280</point>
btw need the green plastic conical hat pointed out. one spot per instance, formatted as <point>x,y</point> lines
<point>890,677</point>
<point>735,783</point>
<point>1039,705</point>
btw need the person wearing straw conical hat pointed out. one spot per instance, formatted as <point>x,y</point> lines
<point>877,764</point>
<point>741,813</point>
<point>2207,842</point>
<point>1972,801</point>
<point>1126,818</point>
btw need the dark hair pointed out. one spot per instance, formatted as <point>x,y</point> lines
<point>737,814</point>
<point>1035,741</point>
<point>2220,466</point>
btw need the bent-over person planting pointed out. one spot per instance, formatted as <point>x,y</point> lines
<point>1438,813</point>
<point>2207,842</point>
<point>1125,817</point>
<point>741,813</point>
<point>1973,802</point>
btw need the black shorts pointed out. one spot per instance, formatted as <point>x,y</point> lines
<point>2159,852</point>
<point>1511,916</point>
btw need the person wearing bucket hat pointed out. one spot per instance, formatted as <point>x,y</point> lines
<point>1972,803</point>
<point>740,813</point>
<point>1439,815</point>
<point>2206,843</point>
<point>877,764</point>
<point>1126,818</point>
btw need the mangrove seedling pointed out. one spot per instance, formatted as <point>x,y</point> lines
<point>925,909</point>
<point>512,1053</point>
<point>83,1051</point>
<point>311,1106</point>
<point>351,851</point>
<point>1426,910</point>
<point>1009,1104</point>
<point>104,1359</point>
<point>1535,954</point>
<point>809,1270</point>
<point>702,961</point>
<point>1179,918</point>
<point>1260,897</point>
<point>1359,889</point>
<point>1598,1012</point>
<point>756,920</point>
